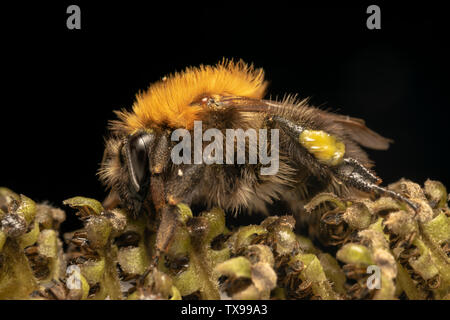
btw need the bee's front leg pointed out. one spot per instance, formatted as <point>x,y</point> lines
<point>166,196</point>
<point>164,236</point>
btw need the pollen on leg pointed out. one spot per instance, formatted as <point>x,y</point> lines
<point>326,148</point>
<point>172,200</point>
<point>156,169</point>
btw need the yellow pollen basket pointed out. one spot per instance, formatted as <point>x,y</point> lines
<point>326,148</point>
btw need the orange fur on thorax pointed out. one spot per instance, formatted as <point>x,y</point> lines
<point>169,101</point>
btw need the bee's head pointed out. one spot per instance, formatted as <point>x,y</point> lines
<point>125,168</point>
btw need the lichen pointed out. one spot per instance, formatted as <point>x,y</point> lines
<point>347,240</point>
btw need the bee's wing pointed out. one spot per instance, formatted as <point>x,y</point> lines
<point>357,130</point>
<point>354,127</point>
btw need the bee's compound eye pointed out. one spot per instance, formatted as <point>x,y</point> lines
<point>138,159</point>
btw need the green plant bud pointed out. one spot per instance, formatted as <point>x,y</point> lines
<point>244,236</point>
<point>387,289</point>
<point>408,285</point>
<point>314,272</point>
<point>85,206</point>
<point>8,196</point>
<point>27,208</point>
<point>383,204</point>
<point>333,271</point>
<point>47,243</point>
<point>29,238</point>
<point>216,223</point>
<point>239,267</point>
<point>185,212</point>
<point>98,230</point>
<point>16,277</point>
<point>187,282</point>
<point>325,197</point>
<point>175,294</point>
<point>424,264</point>
<point>438,229</point>
<point>2,240</point>
<point>132,260</point>
<point>93,270</point>
<point>353,253</point>
<point>268,260</point>
<point>84,287</point>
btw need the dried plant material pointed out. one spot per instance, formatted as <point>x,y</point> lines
<point>108,257</point>
<point>49,217</point>
<point>16,276</point>
<point>414,192</point>
<point>436,194</point>
<point>401,223</point>
<point>333,273</point>
<point>358,216</point>
<point>260,253</point>
<point>259,277</point>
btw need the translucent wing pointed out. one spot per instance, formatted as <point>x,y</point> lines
<point>357,130</point>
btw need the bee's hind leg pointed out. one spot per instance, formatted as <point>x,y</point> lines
<point>349,170</point>
<point>356,175</point>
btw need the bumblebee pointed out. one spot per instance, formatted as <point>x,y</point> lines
<point>318,150</point>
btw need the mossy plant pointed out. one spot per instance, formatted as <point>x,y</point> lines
<point>348,238</point>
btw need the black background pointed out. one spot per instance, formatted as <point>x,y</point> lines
<point>173,309</point>
<point>62,85</point>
